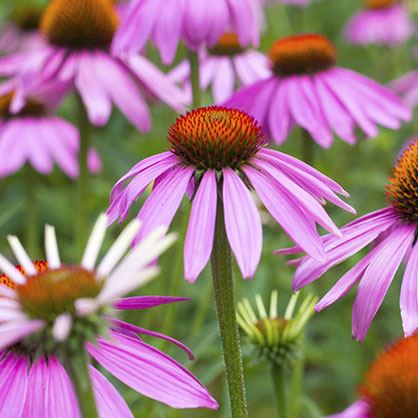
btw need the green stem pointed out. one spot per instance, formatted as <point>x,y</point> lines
<point>194,78</point>
<point>77,365</point>
<point>307,147</point>
<point>279,385</point>
<point>31,238</point>
<point>296,386</point>
<point>223,285</point>
<point>83,181</point>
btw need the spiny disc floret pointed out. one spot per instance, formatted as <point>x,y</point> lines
<point>403,188</point>
<point>228,45</point>
<point>302,54</point>
<point>80,23</point>
<point>215,137</point>
<point>391,384</point>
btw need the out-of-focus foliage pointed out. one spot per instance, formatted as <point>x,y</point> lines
<point>335,363</point>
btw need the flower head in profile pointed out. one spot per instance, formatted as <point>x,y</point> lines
<point>222,66</point>
<point>272,337</point>
<point>396,226</point>
<point>78,34</point>
<point>33,134</point>
<point>217,155</point>
<point>370,25</point>
<point>20,32</point>
<point>49,309</point>
<point>306,88</point>
<point>197,23</point>
<point>389,387</point>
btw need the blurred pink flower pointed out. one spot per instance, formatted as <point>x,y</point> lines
<point>219,150</point>
<point>371,25</point>
<point>36,135</point>
<point>375,271</point>
<point>221,65</point>
<point>50,323</point>
<point>307,89</point>
<point>76,53</point>
<point>407,87</point>
<point>291,2</point>
<point>359,409</point>
<point>197,23</point>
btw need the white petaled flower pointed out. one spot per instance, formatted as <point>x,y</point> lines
<point>49,310</point>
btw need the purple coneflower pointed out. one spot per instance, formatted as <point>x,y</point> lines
<point>36,135</point>
<point>221,151</point>
<point>389,387</point>
<point>307,89</point>
<point>398,223</point>
<point>50,311</point>
<point>195,22</point>
<point>221,65</point>
<point>78,35</point>
<point>370,26</point>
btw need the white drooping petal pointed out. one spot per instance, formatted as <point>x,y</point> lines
<point>51,248</point>
<point>10,270</point>
<point>121,285</point>
<point>86,306</point>
<point>118,248</point>
<point>21,255</point>
<point>62,326</point>
<point>95,242</point>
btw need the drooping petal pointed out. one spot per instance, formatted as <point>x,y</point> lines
<point>60,398</point>
<point>12,332</point>
<point>199,238</point>
<point>223,84</point>
<point>409,294</point>
<point>151,372</point>
<point>13,385</point>
<point>110,403</point>
<point>359,409</point>
<point>242,223</point>
<point>35,394</point>
<point>378,277</point>
<point>145,302</point>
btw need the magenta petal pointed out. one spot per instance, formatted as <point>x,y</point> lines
<point>378,277</point>
<point>139,330</point>
<point>200,232</point>
<point>110,403</point>
<point>60,398</point>
<point>13,385</point>
<point>409,294</point>
<point>280,121</point>
<point>35,395</point>
<point>359,409</point>
<point>288,214</point>
<point>151,372</point>
<point>161,206</point>
<point>242,223</point>
<point>145,302</point>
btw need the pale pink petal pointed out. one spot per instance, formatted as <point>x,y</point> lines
<point>60,398</point>
<point>359,409</point>
<point>12,332</point>
<point>110,403</point>
<point>223,84</point>
<point>12,157</point>
<point>161,206</point>
<point>242,223</point>
<point>378,277</point>
<point>35,395</point>
<point>201,228</point>
<point>150,372</point>
<point>409,294</point>
<point>244,21</point>
<point>13,385</point>
<point>288,214</point>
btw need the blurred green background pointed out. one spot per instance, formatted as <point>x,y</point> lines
<point>335,363</point>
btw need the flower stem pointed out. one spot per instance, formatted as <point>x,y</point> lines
<point>194,77</point>
<point>307,147</point>
<point>279,385</point>
<point>31,238</point>
<point>296,387</point>
<point>82,183</point>
<point>223,284</point>
<point>77,365</point>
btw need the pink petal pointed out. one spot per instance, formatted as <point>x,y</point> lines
<point>200,232</point>
<point>145,302</point>
<point>378,277</point>
<point>13,385</point>
<point>110,403</point>
<point>359,409</point>
<point>12,332</point>
<point>223,84</point>
<point>35,395</point>
<point>242,223</point>
<point>151,372</point>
